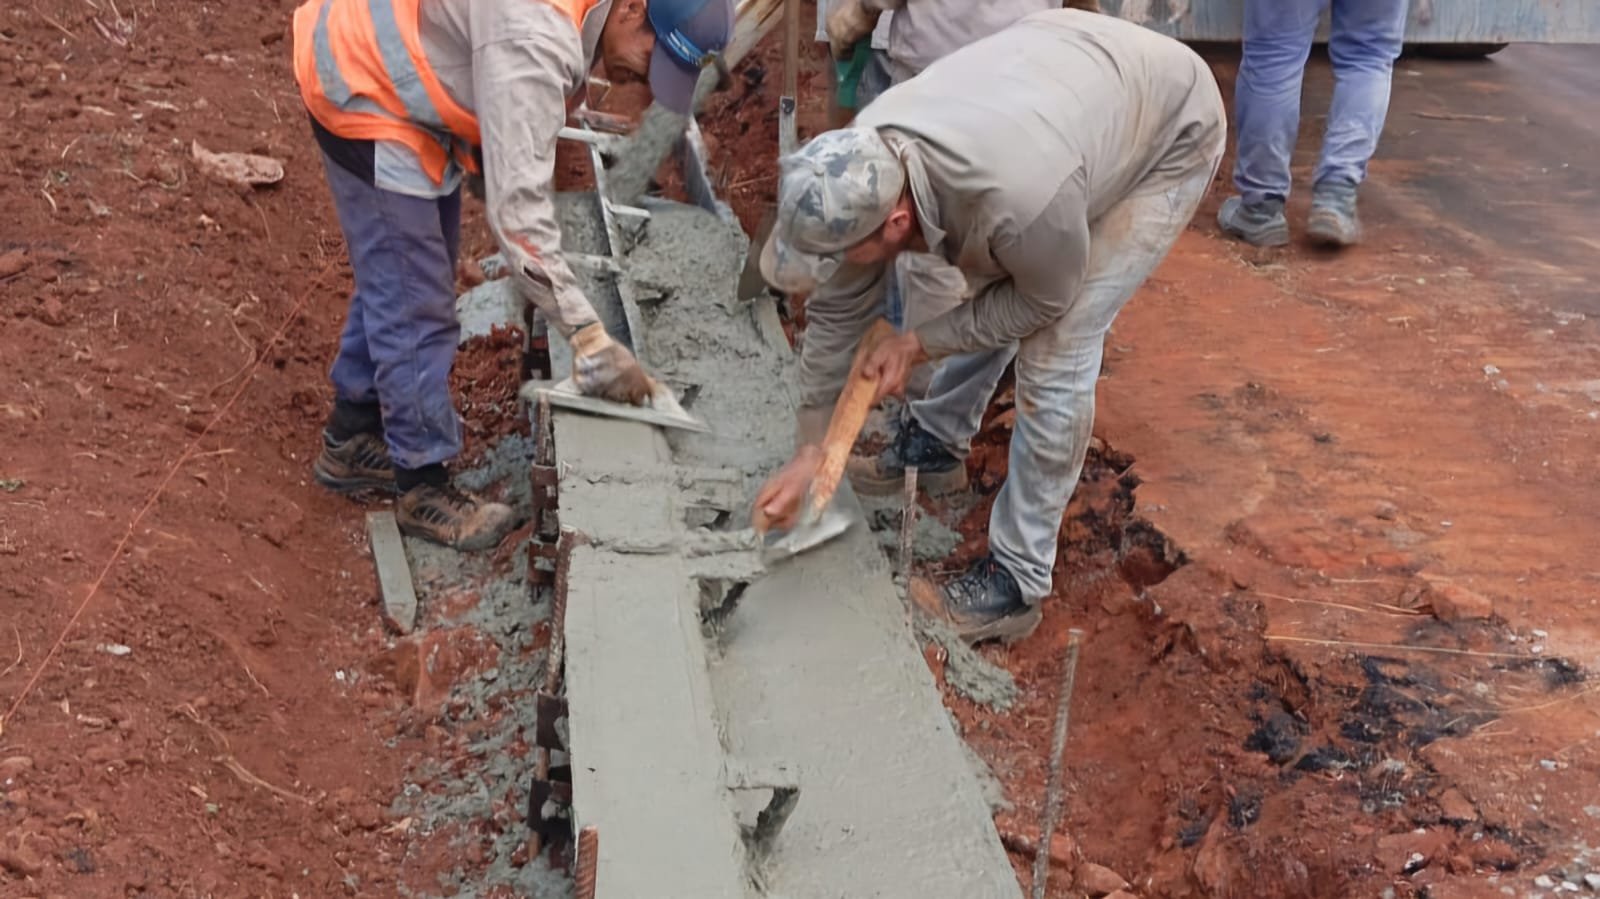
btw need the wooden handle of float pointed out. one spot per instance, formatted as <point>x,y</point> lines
<point>849,417</point>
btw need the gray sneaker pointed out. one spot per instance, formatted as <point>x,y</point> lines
<point>1259,224</point>
<point>1333,221</point>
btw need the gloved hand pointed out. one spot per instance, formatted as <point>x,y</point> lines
<point>604,368</point>
<point>849,22</point>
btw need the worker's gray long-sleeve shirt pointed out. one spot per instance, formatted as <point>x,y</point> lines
<point>1012,146</point>
<point>914,33</point>
<point>925,31</point>
<point>514,63</point>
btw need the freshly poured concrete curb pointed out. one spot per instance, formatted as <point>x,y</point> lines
<point>812,672</point>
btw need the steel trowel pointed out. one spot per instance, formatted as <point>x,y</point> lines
<point>821,517</point>
<point>663,409</point>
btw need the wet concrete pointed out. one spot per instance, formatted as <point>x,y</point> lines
<point>812,669</point>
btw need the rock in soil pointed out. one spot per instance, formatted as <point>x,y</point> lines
<point>1453,602</point>
<point>1406,853</point>
<point>1098,880</point>
<point>1456,808</point>
<point>12,262</point>
<point>242,170</point>
<point>14,765</point>
<point>20,862</point>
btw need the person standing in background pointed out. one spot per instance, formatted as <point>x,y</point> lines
<point>1363,43</point>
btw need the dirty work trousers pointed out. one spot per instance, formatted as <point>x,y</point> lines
<point>1056,371</point>
<point>400,335</point>
<point>1363,43</point>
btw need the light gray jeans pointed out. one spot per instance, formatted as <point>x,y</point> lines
<point>1057,367</point>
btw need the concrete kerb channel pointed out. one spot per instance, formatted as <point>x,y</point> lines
<point>712,727</point>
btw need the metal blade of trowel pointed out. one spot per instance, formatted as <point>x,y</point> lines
<point>663,410</point>
<point>814,529</point>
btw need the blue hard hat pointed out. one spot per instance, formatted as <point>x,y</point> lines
<point>689,35</point>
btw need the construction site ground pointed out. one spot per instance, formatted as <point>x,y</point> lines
<point>1334,549</point>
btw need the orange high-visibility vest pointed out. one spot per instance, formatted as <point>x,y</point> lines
<point>363,75</point>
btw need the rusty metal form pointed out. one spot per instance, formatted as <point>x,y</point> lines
<point>588,862</point>
<point>552,783</point>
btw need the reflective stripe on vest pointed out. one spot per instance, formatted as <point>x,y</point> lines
<point>364,76</point>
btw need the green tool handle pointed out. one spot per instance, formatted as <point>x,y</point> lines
<point>849,73</point>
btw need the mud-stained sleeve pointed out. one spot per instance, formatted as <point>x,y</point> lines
<point>1045,259</point>
<point>521,85</point>
<point>838,315</point>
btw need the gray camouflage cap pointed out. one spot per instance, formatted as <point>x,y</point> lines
<point>832,194</point>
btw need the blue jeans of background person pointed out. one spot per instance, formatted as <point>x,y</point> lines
<point>1363,44</point>
<point>400,335</point>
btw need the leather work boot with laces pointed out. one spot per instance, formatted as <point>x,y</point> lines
<point>983,604</point>
<point>1260,224</point>
<point>938,469</point>
<point>452,517</point>
<point>357,464</point>
<point>1333,221</point>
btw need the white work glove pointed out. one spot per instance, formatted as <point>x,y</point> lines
<point>848,23</point>
<point>604,368</point>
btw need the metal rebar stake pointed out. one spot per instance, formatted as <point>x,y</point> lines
<point>908,522</point>
<point>1052,794</point>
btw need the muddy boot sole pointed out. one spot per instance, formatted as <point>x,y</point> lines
<point>1259,234</point>
<point>1005,631</point>
<point>486,538</point>
<point>352,487</point>
<point>928,599</point>
<point>934,483</point>
<point>1329,230</point>
<point>441,518</point>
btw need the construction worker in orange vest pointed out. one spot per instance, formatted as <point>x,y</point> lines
<point>408,96</point>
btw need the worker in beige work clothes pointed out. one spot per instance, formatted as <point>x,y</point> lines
<point>1055,163</point>
<point>906,37</point>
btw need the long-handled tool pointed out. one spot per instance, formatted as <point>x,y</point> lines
<point>788,133</point>
<point>820,521</point>
<point>751,284</point>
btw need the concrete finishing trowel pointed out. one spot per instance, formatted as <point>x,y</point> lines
<point>663,409</point>
<point>822,519</point>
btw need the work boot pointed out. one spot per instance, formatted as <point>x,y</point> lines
<point>357,464</point>
<point>938,469</point>
<point>1259,224</point>
<point>983,604</point>
<point>455,518</point>
<point>1333,221</point>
